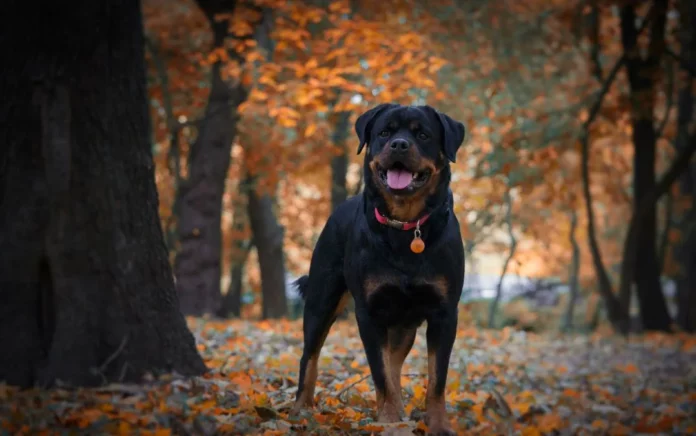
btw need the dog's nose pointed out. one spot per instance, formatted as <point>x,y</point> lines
<point>400,145</point>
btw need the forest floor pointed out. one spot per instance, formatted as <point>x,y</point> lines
<point>500,382</point>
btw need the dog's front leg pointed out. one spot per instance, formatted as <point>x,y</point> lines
<point>441,333</point>
<point>374,337</point>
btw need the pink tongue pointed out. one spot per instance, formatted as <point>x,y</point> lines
<point>398,179</point>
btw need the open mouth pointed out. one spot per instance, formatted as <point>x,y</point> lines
<point>399,178</point>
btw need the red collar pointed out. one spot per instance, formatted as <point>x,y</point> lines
<point>400,224</point>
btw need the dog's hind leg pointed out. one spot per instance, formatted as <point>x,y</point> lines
<point>326,297</point>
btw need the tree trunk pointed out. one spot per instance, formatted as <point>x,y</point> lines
<point>87,291</point>
<point>615,313</point>
<point>199,201</point>
<point>642,76</point>
<point>339,171</point>
<point>267,233</point>
<point>492,309</point>
<point>572,274</point>
<point>268,238</point>
<point>679,165</point>
<point>339,163</point>
<point>241,246</point>
<point>685,251</point>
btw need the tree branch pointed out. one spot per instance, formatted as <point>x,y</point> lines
<point>683,63</point>
<point>594,39</point>
<point>670,101</point>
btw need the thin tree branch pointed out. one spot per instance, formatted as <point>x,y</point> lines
<point>683,63</point>
<point>513,248</point>
<point>594,110</point>
<point>595,52</point>
<point>670,101</point>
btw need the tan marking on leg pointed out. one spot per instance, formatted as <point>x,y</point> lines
<point>306,398</point>
<point>400,343</point>
<point>436,412</point>
<point>390,407</point>
<point>342,303</point>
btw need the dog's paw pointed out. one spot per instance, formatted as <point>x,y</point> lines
<point>299,405</point>
<point>439,426</point>
<point>389,414</point>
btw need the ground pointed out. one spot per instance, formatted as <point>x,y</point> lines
<point>500,382</point>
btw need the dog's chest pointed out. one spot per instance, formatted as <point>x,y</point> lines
<point>404,299</point>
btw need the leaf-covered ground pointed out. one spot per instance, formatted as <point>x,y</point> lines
<point>500,382</point>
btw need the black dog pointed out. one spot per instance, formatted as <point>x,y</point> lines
<point>398,250</point>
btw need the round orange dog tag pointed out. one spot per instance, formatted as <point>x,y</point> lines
<point>417,245</point>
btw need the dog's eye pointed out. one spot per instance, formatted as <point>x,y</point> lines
<point>422,136</point>
<point>384,133</point>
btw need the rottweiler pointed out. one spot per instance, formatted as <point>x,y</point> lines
<point>397,249</point>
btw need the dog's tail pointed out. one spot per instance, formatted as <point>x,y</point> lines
<point>301,284</point>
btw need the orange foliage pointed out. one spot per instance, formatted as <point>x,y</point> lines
<point>523,105</point>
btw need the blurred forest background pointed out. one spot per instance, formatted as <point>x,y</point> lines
<point>567,104</point>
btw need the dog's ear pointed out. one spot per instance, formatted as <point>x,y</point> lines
<point>363,124</point>
<point>453,135</point>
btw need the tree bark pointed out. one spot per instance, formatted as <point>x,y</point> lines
<point>199,200</point>
<point>232,301</point>
<point>87,292</point>
<point>267,233</point>
<point>685,251</point>
<point>268,238</point>
<point>642,77</point>
<point>339,163</point>
<point>339,172</point>
<point>572,274</point>
<point>664,237</point>
<point>513,247</point>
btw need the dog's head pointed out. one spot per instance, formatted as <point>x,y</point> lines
<point>409,149</point>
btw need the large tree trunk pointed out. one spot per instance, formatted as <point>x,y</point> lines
<point>87,292</point>
<point>199,201</point>
<point>642,74</point>
<point>685,251</point>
